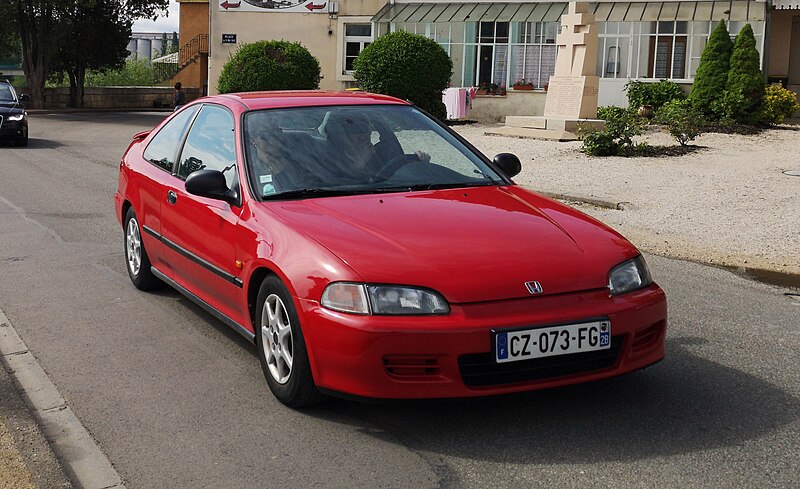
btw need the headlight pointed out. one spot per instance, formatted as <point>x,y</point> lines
<point>16,117</point>
<point>383,299</point>
<point>628,276</point>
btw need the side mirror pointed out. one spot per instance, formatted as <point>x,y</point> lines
<point>211,184</point>
<point>25,98</point>
<point>508,164</point>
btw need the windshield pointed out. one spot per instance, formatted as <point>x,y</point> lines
<point>326,151</point>
<point>6,93</point>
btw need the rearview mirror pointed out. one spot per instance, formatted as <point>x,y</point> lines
<point>508,163</point>
<point>211,184</point>
<point>24,98</point>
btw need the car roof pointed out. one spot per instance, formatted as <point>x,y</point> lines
<point>306,98</point>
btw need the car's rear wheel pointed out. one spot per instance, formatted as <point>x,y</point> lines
<point>281,347</point>
<point>136,259</point>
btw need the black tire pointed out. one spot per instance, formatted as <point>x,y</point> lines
<point>296,388</point>
<point>23,141</point>
<point>141,276</point>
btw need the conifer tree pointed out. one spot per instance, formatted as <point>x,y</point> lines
<point>711,78</point>
<point>745,77</point>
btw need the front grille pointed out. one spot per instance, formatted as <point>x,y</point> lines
<point>480,369</point>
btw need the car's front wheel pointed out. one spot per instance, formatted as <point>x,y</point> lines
<point>23,141</point>
<point>136,259</point>
<point>281,347</point>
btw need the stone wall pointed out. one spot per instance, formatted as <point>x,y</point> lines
<point>118,97</point>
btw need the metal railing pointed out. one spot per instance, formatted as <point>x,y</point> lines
<point>192,49</point>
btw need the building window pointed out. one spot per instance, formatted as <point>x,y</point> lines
<point>533,52</point>
<point>356,38</point>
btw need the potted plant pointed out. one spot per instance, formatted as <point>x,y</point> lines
<point>494,89</point>
<point>483,89</point>
<point>502,89</point>
<point>522,84</point>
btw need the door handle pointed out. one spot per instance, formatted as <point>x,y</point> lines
<point>172,197</point>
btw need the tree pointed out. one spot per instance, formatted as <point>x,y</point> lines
<point>43,27</point>
<point>745,79</point>
<point>94,36</point>
<point>269,65</point>
<point>712,74</point>
<point>174,46</point>
<point>164,45</point>
<point>407,66</point>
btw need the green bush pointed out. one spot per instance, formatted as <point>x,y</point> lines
<point>652,94</point>
<point>599,143</point>
<point>712,74</point>
<point>135,73</point>
<point>407,66</point>
<point>684,121</point>
<point>269,65</point>
<point>606,111</point>
<point>745,79</point>
<point>617,138</point>
<point>778,103</point>
<point>727,109</point>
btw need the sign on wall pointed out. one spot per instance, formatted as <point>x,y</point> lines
<point>229,39</point>
<point>304,6</point>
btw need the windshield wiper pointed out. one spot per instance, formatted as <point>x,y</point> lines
<point>310,192</point>
<point>438,186</point>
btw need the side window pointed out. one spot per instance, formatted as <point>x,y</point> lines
<point>164,146</point>
<point>210,145</point>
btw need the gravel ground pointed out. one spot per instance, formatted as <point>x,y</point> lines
<point>728,203</point>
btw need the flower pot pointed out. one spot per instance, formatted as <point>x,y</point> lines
<point>645,111</point>
<point>523,87</point>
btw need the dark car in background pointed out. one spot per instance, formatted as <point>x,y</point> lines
<point>13,118</point>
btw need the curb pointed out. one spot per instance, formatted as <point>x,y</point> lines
<point>617,206</point>
<point>83,461</point>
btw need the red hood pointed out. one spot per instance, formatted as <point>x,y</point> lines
<point>476,244</point>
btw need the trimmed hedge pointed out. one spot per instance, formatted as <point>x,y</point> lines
<point>270,65</point>
<point>407,66</point>
<point>711,78</point>
<point>652,94</point>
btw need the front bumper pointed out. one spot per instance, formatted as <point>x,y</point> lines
<point>451,356</point>
<point>12,129</point>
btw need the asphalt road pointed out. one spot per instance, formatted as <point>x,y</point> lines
<point>175,399</point>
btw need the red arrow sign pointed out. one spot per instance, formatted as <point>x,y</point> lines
<point>312,7</point>
<point>226,5</point>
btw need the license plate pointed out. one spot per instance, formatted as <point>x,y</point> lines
<point>512,346</point>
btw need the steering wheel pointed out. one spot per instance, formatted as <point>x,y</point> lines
<point>391,166</point>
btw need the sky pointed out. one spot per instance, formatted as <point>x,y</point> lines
<point>164,23</point>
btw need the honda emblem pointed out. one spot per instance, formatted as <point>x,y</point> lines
<point>534,287</point>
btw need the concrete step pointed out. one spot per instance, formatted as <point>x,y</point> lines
<point>534,122</point>
<point>530,133</point>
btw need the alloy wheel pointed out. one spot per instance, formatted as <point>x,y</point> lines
<point>133,244</point>
<point>276,339</point>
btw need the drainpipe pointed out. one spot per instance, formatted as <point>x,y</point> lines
<point>765,41</point>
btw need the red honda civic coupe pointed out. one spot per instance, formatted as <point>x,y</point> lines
<point>368,250</point>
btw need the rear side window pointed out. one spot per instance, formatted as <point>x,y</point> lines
<point>164,146</point>
<point>210,145</point>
